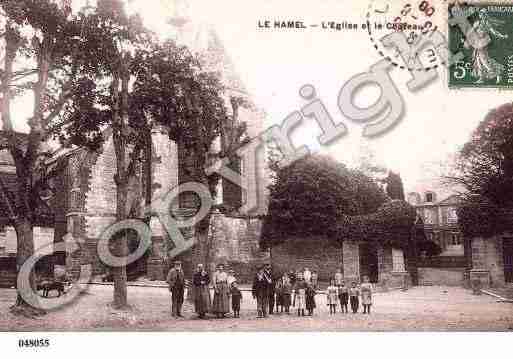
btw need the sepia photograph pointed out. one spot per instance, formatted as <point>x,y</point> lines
<point>194,166</point>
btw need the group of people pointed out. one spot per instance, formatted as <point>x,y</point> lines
<point>339,292</point>
<point>297,289</point>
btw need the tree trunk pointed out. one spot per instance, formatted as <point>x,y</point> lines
<point>25,249</point>
<point>120,249</point>
<point>204,243</point>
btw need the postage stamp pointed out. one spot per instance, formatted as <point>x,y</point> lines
<point>487,61</point>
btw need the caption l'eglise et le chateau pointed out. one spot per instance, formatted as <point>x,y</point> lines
<point>333,25</point>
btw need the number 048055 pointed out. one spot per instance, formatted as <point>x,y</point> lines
<point>34,343</point>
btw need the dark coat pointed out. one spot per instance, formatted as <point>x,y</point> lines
<point>175,279</point>
<point>199,279</point>
<point>261,286</point>
<point>236,295</point>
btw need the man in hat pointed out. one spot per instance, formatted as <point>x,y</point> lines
<point>176,281</point>
<point>271,287</point>
<point>260,292</point>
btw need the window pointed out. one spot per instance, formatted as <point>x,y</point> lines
<point>455,239</point>
<point>452,215</point>
<point>430,197</point>
<point>398,260</point>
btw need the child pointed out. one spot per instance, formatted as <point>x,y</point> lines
<point>279,296</point>
<point>236,299</point>
<point>366,289</point>
<point>286,291</point>
<point>315,279</point>
<point>300,294</point>
<point>332,297</point>
<point>354,293</point>
<point>343,295</point>
<point>310,299</point>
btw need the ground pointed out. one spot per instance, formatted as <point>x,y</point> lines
<point>418,309</point>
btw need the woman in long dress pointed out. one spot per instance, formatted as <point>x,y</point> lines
<point>221,304</point>
<point>201,282</point>
<point>485,67</point>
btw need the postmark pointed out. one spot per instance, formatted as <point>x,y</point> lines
<point>418,20</point>
<point>484,63</point>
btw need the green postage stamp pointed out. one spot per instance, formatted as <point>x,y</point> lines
<point>488,59</point>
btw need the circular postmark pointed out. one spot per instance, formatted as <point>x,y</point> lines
<point>417,20</point>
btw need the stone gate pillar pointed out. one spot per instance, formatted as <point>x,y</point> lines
<point>479,274</point>
<point>351,261</point>
<point>385,266</point>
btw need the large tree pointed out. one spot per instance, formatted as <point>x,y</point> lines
<point>395,189</point>
<point>311,195</point>
<point>116,44</point>
<point>172,88</point>
<point>485,170</point>
<point>40,41</point>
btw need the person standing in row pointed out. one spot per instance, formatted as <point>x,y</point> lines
<point>221,292</point>
<point>230,279</point>
<point>343,296</point>
<point>332,297</point>
<point>310,299</point>
<point>176,281</point>
<point>354,293</point>
<point>236,296</point>
<point>339,278</point>
<point>366,289</point>
<point>260,292</point>
<point>271,290</point>
<point>201,291</point>
<point>292,277</point>
<point>307,275</point>
<point>283,293</point>
<point>300,295</point>
<point>315,279</point>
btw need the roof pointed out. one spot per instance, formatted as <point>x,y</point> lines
<point>445,193</point>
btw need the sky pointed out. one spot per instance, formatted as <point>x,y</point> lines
<point>274,64</point>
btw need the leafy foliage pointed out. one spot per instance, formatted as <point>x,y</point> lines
<point>395,189</point>
<point>485,168</point>
<point>477,216</point>
<point>390,225</point>
<point>309,196</point>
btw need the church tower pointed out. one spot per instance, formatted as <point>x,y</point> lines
<point>234,233</point>
<point>203,41</point>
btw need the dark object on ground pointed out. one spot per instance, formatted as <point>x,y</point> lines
<point>48,285</point>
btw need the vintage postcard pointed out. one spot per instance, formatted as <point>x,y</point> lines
<point>255,166</point>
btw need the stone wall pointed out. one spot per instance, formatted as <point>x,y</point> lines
<point>441,276</point>
<point>316,253</point>
<point>236,243</point>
